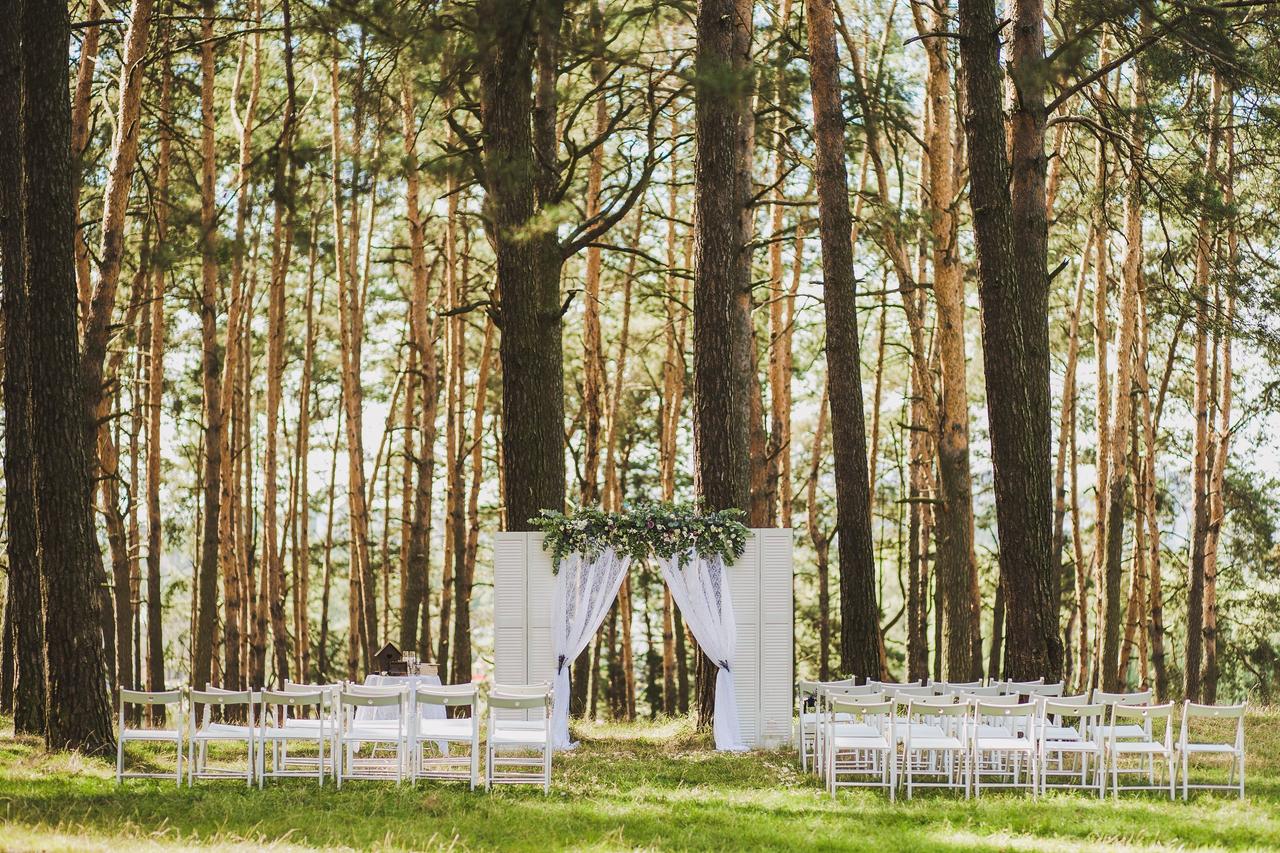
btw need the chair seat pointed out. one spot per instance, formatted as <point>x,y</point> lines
<point>942,742</point>
<point>1130,747</point>
<point>919,731</point>
<point>375,730</point>
<point>150,734</point>
<point>840,730</point>
<point>224,731</point>
<point>874,742</point>
<point>1059,746</point>
<point>1125,731</point>
<point>1219,748</point>
<point>455,729</point>
<point>295,730</point>
<point>1061,733</point>
<point>1005,743</point>
<point>509,735</point>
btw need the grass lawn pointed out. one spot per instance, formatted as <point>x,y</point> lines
<point>642,786</point>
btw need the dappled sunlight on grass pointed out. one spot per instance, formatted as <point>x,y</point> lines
<point>644,786</point>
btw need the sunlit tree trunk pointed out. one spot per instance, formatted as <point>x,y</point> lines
<point>1222,437</point>
<point>211,360</point>
<point>155,392</point>
<point>1192,671</point>
<point>1007,195</point>
<point>859,610</point>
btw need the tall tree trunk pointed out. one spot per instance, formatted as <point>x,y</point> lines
<point>24,616</point>
<point>77,711</point>
<point>956,561</point>
<point>211,362</point>
<point>1066,425</point>
<point>521,176</point>
<point>1117,485</point>
<point>593,368</point>
<point>1014,288</point>
<point>1222,438</point>
<point>464,579</point>
<point>819,536</point>
<point>722,345</point>
<point>1192,685</point>
<point>281,245</point>
<point>302,553</point>
<point>81,111</point>
<point>155,393</point>
<point>859,609</point>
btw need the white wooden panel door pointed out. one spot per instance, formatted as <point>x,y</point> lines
<point>540,653</point>
<point>510,620</point>
<point>744,590</point>
<point>777,640</point>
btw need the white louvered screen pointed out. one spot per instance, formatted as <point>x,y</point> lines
<point>777,642</point>
<point>760,585</point>
<point>744,589</point>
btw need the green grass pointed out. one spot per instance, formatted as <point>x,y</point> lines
<point>649,786</point>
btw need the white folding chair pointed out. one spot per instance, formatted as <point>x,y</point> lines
<point>841,724</point>
<point>279,724</point>
<point>441,733</point>
<point>1043,690</point>
<point>234,727</point>
<point>867,757</point>
<point>809,718</point>
<point>526,742</point>
<point>950,688</point>
<point>826,693</point>
<point>1202,746</point>
<point>1003,746</point>
<point>935,745</point>
<point>1127,731</point>
<point>1068,737</point>
<point>148,699</point>
<point>389,729</point>
<point>1008,685</point>
<point>967,693</point>
<point>303,718</point>
<point>1152,747</point>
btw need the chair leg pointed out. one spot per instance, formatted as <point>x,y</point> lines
<point>120,756</point>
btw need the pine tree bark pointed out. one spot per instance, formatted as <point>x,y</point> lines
<point>281,247</point>
<point>521,176</point>
<point>24,616</point>
<point>859,609</point>
<point>211,362</point>
<point>1117,486</point>
<point>1007,186</point>
<point>957,563</point>
<point>77,712</point>
<point>722,345</point>
<point>1192,670</point>
<point>155,392</point>
<point>1222,437</point>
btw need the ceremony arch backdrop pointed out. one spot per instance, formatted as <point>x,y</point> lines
<point>760,598</point>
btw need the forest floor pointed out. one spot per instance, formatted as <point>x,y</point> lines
<point>649,786</point>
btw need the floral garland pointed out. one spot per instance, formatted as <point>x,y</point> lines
<point>663,529</point>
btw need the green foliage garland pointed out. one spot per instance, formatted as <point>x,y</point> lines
<point>663,529</point>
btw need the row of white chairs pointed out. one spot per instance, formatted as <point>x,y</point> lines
<point>409,733</point>
<point>883,735</point>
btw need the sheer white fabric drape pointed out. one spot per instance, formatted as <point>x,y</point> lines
<point>700,587</point>
<point>584,591</point>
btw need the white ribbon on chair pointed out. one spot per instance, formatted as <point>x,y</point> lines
<point>700,587</point>
<point>584,591</point>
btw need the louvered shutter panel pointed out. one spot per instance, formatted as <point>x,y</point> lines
<point>777,642</point>
<point>744,588</point>
<point>540,665</point>
<point>510,621</point>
